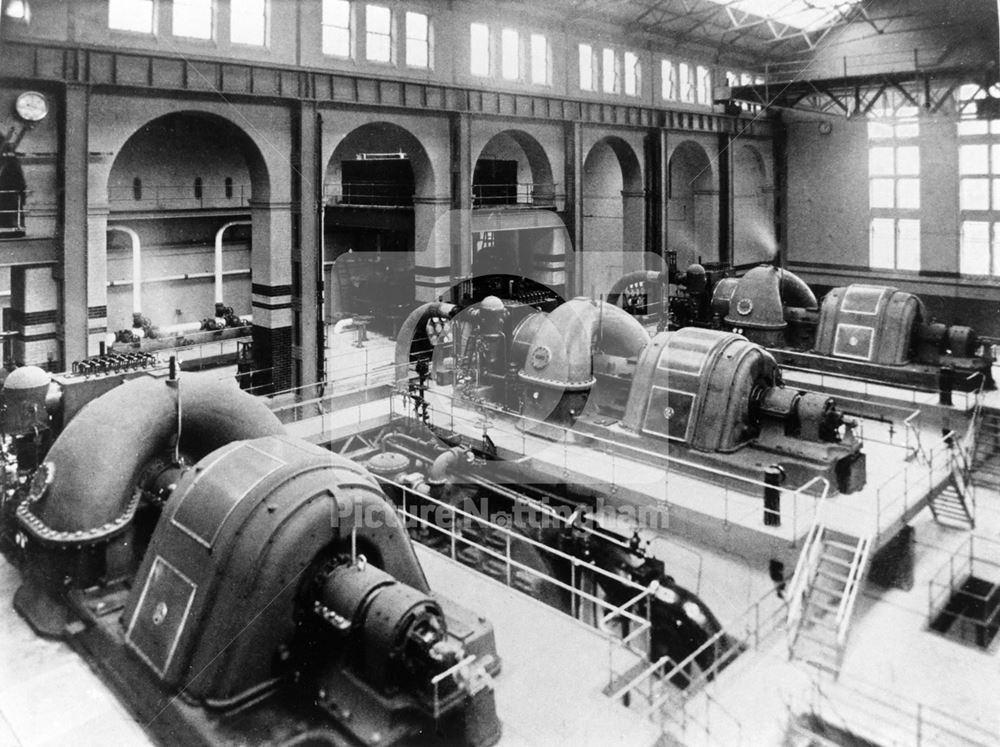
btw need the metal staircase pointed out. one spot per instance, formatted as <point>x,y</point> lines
<point>822,596</point>
<point>954,506</point>
<point>986,452</point>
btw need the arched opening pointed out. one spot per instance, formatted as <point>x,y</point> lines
<point>613,215</point>
<point>753,215</point>
<point>512,170</point>
<point>369,229</point>
<point>12,197</point>
<point>511,182</point>
<point>692,204</point>
<point>173,185</point>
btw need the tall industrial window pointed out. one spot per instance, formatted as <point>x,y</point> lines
<point>668,80</point>
<point>685,82</point>
<point>248,22</point>
<point>418,40</point>
<point>378,33</point>
<point>633,74</point>
<point>979,186</point>
<point>610,78</point>
<point>131,15</point>
<point>540,74</point>
<point>587,77</point>
<point>193,18</point>
<point>12,195</point>
<point>704,82</point>
<point>894,191</point>
<point>479,49</point>
<point>337,28</point>
<point>510,43</point>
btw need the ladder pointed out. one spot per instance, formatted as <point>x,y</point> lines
<point>825,588</point>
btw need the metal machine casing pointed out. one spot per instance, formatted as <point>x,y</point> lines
<point>215,595</point>
<point>694,386</point>
<point>868,323</point>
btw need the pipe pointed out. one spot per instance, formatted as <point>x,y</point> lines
<point>100,453</point>
<point>218,255</point>
<point>648,276</point>
<point>440,469</point>
<point>175,278</point>
<point>795,292</point>
<point>136,267</point>
<point>404,340</point>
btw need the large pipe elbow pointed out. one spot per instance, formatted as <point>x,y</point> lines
<point>561,354</point>
<point>404,340</point>
<point>795,292</point>
<point>96,461</point>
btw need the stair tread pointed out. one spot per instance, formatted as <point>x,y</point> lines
<point>834,544</point>
<point>955,521</point>
<point>830,590</point>
<point>838,561</point>
<point>951,506</point>
<point>949,511</point>
<point>833,669</point>
<point>952,511</point>
<point>821,644</point>
<point>834,576</point>
<point>818,649</point>
<point>824,605</point>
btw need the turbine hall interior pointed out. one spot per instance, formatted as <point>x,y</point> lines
<point>394,373</point>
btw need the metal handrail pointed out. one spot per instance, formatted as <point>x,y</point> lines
<point>751,637</point>
<point>451,672</point>
<point>915,718</point>
<point>868,382</point>
<point>514,193</point>
<point>641,591</point>
<point>658,457</point>
<point>179,196</point>
<point>845,610</point>
<point>804,571</point>
<point>910,428</point>
<point>370,194</point>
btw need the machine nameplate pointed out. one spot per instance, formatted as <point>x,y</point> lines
<point>854,341</point>
<point>668,413</point>
<point>160,615</point>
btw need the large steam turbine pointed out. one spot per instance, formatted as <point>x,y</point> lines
<point>589,368</point>
<point>179,539</point>
<point>876,332</point>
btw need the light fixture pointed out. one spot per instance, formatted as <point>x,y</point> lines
<point>397,156</point>
<point>18,10</point>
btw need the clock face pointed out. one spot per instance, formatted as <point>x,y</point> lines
<point>31,106</point>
